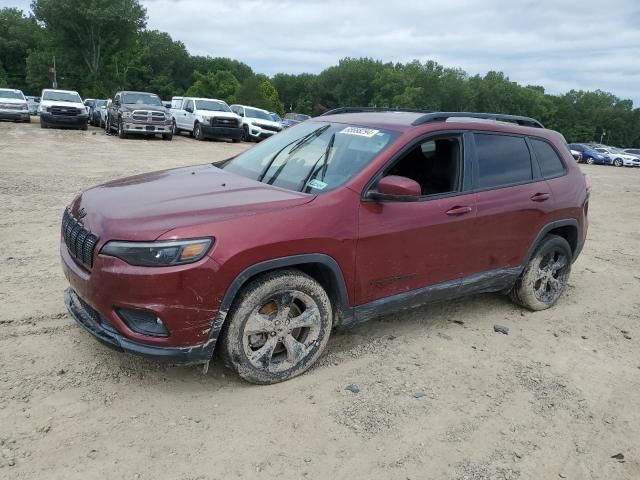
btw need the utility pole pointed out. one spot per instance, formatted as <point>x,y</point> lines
<point>603,135</point>
<point>53,71</point>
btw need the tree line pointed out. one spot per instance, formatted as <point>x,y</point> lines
<point>104,45</point>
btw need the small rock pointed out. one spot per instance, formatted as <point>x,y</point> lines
<point>501,329</point>
<point>562,475</point>
<point>584,337</point>
<point>11,462</point>
<point>556,334</point>
<point>94,133</point>
<point>628,337</point>
<point>353,388</point>
<point>419,395</point>
<point>618,456</point>
<point>62,371</point>
<point>459,322</point>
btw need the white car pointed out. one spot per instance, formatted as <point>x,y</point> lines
<point>13,105</point>
<point>256,122</point>
<point>205,118</point>
<point>62,108</point>
<point>619,157</point>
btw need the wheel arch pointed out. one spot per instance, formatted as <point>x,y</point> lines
<point>321,267</point>
<point>567,229</point>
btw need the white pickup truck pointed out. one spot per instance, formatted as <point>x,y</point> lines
<point>205,118</point>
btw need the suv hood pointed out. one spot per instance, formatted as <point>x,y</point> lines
<point>146,206</point>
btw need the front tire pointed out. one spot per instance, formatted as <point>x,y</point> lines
<point>121,133</point>
<point>278,327</point>
<point>197,132</point>
<point>43,124</point>
<point>590,161</point>
<point>246,137</point>
<point>167,136</point>
<point>618,162</point>
<point>546,275</point>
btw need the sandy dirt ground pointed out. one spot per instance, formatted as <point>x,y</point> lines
<point>441,395</point>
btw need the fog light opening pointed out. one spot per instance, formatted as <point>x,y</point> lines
<point>141,321</point>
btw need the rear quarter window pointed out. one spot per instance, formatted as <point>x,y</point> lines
<point>550,163</point>
<point>502,160</point>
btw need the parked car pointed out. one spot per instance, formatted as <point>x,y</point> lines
<point>257,124</point>
<point>589,155</point>
<point>13,105</point>
<point>619,157</point>
<point>206,118</point>
<point>95,112</point>
<point>33,104</point>
<point>577,156</point>
<point>341,219</point>
<point>632,151</point>
<point>62,108</point>
<point>138,113</point>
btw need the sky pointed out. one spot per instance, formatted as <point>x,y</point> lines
<point>558,44</point>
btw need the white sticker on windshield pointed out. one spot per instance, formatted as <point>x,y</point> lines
<point>317,184</point>
<point>362,132</point>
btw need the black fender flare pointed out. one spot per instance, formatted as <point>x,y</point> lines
<point>342,296</point>
<point>568,222</point>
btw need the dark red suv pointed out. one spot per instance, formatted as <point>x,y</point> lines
<point>344,217</point>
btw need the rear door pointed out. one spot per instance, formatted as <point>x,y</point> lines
<point>512,200</point>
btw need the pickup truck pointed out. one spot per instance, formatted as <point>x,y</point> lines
<point>62,108</point>
<point>205,118</point>
<point>138,113</point>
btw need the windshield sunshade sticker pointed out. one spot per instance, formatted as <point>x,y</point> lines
<point>361,132</point>
<point>317,184</point>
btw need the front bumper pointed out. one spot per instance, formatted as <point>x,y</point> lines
<point>147,128</point>
<point>65,120</point>
<point>222,132</point>
<point>260,133</point>
<point>21,115</point>
<point>105,333</point>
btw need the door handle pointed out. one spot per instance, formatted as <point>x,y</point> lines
<point>459,210</point>
<point>541,197</point>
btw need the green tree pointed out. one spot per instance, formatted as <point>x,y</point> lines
<point>221,85</point>
<point>94,30</point>
<point>258,91</point>
<point>19,35</point>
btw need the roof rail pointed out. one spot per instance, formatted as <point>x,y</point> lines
<point>443,116</point>
<point>339,110</point>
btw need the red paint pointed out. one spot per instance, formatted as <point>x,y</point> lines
<point>382,248</point>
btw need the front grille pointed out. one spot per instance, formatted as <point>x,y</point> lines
<point>269,127</point>
<point>223,122</point>
<point>148,116</point>
<point>67,111</point>
<point>12,106</point>
<point>79,241</point>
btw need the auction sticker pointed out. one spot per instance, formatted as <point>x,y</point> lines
<point>317,184</point>
<point>361,132</point>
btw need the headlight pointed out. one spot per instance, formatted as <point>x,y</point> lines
<point>126,114</point>
<point>159,254</point>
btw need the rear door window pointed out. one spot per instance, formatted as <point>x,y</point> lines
<point>550,163</point>
<point>502,160</point>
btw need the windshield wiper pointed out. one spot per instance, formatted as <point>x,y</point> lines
<point>325,161</point>
<point>308,137</point>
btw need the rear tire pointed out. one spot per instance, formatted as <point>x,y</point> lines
<point>277,328</point>
<point>546,275</point>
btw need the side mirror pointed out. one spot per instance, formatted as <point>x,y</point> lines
<point>397,188</point>
<point>241,114</point>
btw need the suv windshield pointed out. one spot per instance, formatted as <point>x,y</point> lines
<point>212,105</point>
<point>11,94</point>
<point>141,99</point>
<point>313,157</point>
<point>62,96</point>
<point>253,113</point>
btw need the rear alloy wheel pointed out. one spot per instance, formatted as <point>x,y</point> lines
<point>278,327</point>
<point>618,162</point>
<point>546,275</point>
<point>197,132</point>
<point>590,160</point>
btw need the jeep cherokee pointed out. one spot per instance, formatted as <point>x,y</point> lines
<point>344,217</point>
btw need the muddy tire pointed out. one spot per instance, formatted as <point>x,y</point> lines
<point>546,275</point>
<point>277,328</point>
<point>121,133</point>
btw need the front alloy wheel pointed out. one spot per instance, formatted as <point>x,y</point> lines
<point>618,162</point>
<point>279,327</point>
<point>590,161</point>
<point>197,132</point>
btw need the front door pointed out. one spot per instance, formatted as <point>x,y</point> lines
<point>404,246</point>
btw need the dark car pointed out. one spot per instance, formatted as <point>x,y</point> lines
<point>589,155</point>
<point>340,219</point>
<point>95,117</point>
<point>138,113</point>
